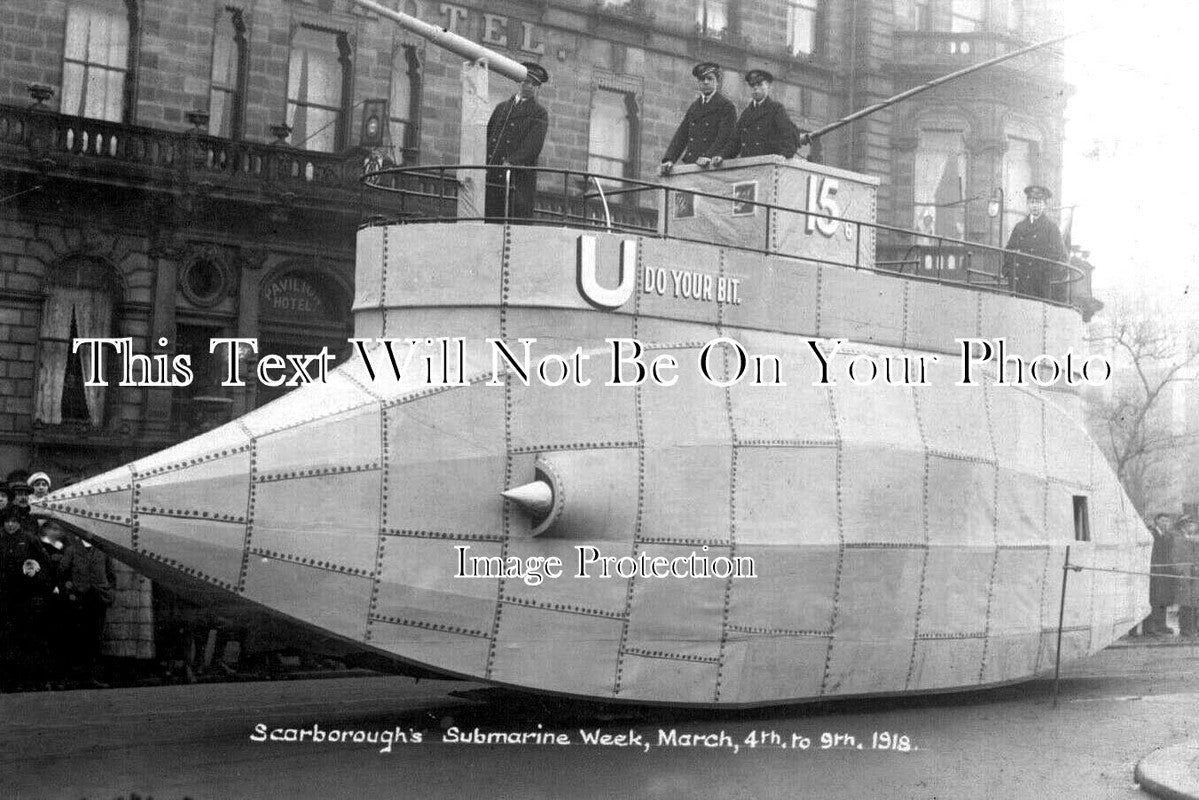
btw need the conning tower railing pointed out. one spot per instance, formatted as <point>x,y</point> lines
<point>626,205</point>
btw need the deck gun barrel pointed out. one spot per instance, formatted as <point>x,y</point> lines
<point>451,41</point>
<point>915,90</point>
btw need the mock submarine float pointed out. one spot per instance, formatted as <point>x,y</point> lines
<point>779,516</point>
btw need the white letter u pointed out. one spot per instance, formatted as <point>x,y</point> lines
<point>589,286</point>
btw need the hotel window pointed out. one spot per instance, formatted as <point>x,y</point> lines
<point>1019,170</point>
<point>913,15</point>
<point>940,182</point>
<point>226,100</point>
<point>316,85</point>
<point>613,132</point>
<point>82,295</point>
<point>404,104</point>
<point>712,18</point>
<point>966,16</point>
<point>1015,15</point>
<point>96,60</point>
<point>802,19</point>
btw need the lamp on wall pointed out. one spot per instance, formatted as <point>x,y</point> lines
<point>374,123</point>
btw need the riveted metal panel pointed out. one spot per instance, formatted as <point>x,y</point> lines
<point>678,616</point>
<point>319,399</point>
<point>599,494</point>
<point>936,315</point>
<point>350,440</point>
<point>438,265</point>
<point>1019,322</point>
<point>799,412</point>
<point>369,258</point>
<point>212,443</point>
<point>956,421</point>
<point>666,680</point>
<point>1010,655</point>
<point>881,497</point>
<point>776,294</point>
<point>946,662</point>
<point>956,587</point>
<point>766,667</point>
<point>869,573</point>
<point>864,307</point>
<point>556,651</point>
<point>214,549</point>
<point>879,417</point>
<point>330,600</point>
<point>441,647</point>
<point>862,666</point>
<point>792,595</point>
<point>1016,594</point>
<point>210,480</point>
<point>960,501</point>
<point>330,519</point>
<point>417,584</point>
<point>596,595</point>
<point>1021,508</point>
<point>687,493</point>
<point>786,496</point>
<point>671,260</point>
<point>541,416</point>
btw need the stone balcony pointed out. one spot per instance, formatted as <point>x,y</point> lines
<point>45,143</point>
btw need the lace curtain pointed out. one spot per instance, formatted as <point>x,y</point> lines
<point>91,310</point>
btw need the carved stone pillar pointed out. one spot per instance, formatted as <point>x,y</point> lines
<point>165,250</point>
<point>249,282</point>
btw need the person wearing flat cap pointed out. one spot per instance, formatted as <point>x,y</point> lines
<point>764,127</point>
<point>1033,248</point>
<point>515,136</point>
<point>707,128</point>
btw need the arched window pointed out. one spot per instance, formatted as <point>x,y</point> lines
<point>98,59</point>
<point>227,97</point>
<point>403,106</point>
<point>940,181</point>
<point>82,295</point>
<point>803,27</point>
<point>318,76</point>
<point>611,148</point>
<point>1020,168</point>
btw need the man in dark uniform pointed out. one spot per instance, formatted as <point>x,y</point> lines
<point>764,128</point>
<point>515,135</point>
<point>1041,242</point>
<point>1162,584</point>
<point>707,128</point>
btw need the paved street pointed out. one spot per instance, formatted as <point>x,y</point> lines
<point>198,741</point>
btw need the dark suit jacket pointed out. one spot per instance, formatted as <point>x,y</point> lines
<point>516,132</point>
<point>706,130</point>
<point>764,130</point>
<point>1041,240</point>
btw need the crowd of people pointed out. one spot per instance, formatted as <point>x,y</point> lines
<point>1174,576</point>
<point>55,590</point>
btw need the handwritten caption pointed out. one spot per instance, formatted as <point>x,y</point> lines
<point>631,738</point>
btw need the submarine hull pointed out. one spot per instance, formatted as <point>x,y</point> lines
<point>903,536</point>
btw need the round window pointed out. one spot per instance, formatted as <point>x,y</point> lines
<point>204,281</point>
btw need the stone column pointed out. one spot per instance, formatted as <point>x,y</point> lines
<point>249,283</point>
<point>472,145</point>
<point>165,248</point>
